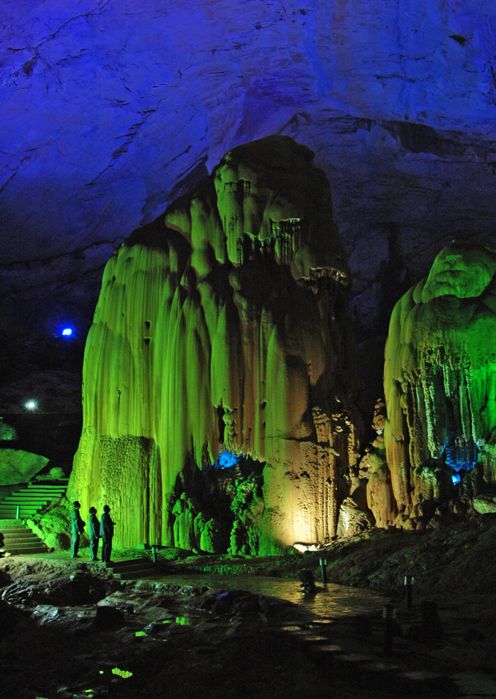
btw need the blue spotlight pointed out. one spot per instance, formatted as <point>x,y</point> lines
<point>67,332</point>
<point>456,478</point>
<point>226,459</point>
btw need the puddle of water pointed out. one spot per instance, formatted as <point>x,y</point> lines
<point>291,628</point>
<point>332,601</point>
<point>89,693</point>
<point>327,648</point>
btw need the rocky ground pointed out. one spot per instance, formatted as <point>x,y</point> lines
<point>71,629</point>
<point>455,558</point>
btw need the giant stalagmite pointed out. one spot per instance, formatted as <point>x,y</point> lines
<point>220,336</point>
<point>440,383</point>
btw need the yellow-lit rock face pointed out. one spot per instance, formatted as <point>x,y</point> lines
<point>440,383</point>
<point>222,328</point>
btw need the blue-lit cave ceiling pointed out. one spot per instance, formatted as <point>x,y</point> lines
<point>111,109</point>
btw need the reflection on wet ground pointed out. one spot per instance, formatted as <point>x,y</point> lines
<point>330,601</point>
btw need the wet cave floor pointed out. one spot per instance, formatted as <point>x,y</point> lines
<point>195,629</point>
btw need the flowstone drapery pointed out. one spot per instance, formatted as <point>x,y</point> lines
<point>220,337</point>
<point>440,384</point>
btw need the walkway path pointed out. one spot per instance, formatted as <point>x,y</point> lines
<point>341,629</point>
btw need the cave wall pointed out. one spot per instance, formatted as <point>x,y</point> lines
<point>110,111</point>
<point>221,328</point>
<point>440,387</point>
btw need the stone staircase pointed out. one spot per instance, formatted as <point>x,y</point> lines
<point>134,569</point>
<point>31,498</point>
<point>16,538</point>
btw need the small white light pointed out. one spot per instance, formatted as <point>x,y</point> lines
<point>303,548</point>
<point>67,332</point>
<point>31,404</point>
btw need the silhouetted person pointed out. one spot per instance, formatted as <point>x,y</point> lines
<point>94,532</point>
<point>77,528</point>
<point>107,533</point>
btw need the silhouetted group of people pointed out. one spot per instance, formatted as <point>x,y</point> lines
<point>97,529</point>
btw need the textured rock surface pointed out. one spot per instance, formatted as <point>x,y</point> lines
<point>7,432</point>
<point>485,504</point>
<point>109,111</point>
<point>224,332</point>
<point>228,634</point>
<point>440,383</point>
<point>54,527</point>
<point>18,466</point>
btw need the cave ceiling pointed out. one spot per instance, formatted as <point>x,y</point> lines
<point>111,110</point>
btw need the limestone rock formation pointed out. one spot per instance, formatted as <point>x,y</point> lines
<point>374,472</point>
<point>19,466</point>
<point>440,383</point>
<point>110,111</point>
<point>220,335</point>
<point>7,432</point>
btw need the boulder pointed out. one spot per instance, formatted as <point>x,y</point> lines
<point>484,504</point>
<point>19,466</point>
<point>353,520</point>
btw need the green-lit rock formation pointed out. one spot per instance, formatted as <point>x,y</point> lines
<point>440,384</point>
<point>19,466</point>
<point>221,329</point>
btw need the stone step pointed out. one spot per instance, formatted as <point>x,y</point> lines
<point>9,545</point>
<point>29,494</point>
<point>15,513</point>
<point>9,542</point>
<point>23,506</point>
<point>21,540</point>
<point>35,506</point>
<point>133,569</point>
<point>56,483</point>
<point>30,499</point>
<point>28,546</point>
<point>24,551</point>
<point>22,515</point>
<point>45,486</point>
<point>22,503</point>
<point>24,498</point>
<point>11,513</point>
